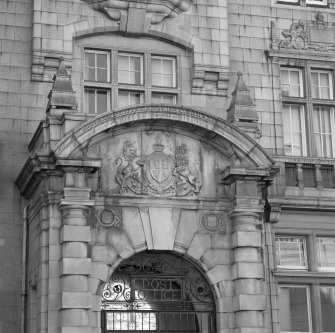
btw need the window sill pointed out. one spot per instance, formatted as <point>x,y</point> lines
<point>289,273</point>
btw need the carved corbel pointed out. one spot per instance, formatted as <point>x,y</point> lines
<point>272,210</point>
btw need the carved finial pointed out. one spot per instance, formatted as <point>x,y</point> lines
<point>242,110</point>
<point>62,95</point>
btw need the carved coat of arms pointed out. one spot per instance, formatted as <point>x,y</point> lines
<point>158,173</point>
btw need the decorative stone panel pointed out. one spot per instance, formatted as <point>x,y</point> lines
<point>213,221</point>
<point>303,35</point>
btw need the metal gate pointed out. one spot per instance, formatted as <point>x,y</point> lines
<point>163,322</point>
<point>157,292</point>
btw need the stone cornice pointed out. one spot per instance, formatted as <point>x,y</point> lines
<point>300,55</point>
<point>38,167</point>
<point>304,160</point>
<point>299,202</point>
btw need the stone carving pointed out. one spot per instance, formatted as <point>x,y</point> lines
<point>109,217</point>
<point>320,20</point>
<point>295,37</point>
<point>213,221</point>
<point>317,35</point>
<point>187,181</point>
<point>128,173</point>
<point>158,173</point>
<point>157,10</point>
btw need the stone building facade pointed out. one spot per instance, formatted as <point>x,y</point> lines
<point>167,166</point>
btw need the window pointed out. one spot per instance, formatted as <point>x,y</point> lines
<point>163,71</point>
<point>96,100</point>
<point>294,129</point>
<point>291,82</point>
<point>97,66</point>
<point>314,103</point>
<point>305,2</point>
<point>159,98</point>
<point>115,78</point>
<point>130,69</point>
<point>326,253</point>
<point>324,124</point>
<point>290,252</point>
<point>321,85</point>
<point>328,308</point>
<point>317,2</point>
<point>294,309</point>
<point>126,98</point>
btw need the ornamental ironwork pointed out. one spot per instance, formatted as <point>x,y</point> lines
<point>150,281</point>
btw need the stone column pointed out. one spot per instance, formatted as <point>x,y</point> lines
<point>75,266</point>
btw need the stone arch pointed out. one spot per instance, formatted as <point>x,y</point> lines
<point>101,26</point>
<point>235,144</point>
<point>215,287</point>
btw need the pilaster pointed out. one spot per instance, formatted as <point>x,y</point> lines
<point>249,301</point>
<point>75,266</point>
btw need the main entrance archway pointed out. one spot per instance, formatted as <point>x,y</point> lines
<point>157,292</point>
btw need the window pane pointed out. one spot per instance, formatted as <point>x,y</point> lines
<point>323,120</point>
<point>293,309</point>
<point>102,60</point>
<point>101,101</point>
<point>294,133</point>
<point>290,252</point>
<point>167,66</point>
<point>155,65</point>
<point>90,100</point>
<point>328,308</point>
<point>101,75</point>
<point>89,59</point>
<point>167,80</point>
<point>326,253</point>
<point>90,74</point>
<point>123,62</point>
<point>123,77</point>
<point>156,80</point>
<point>135,64</point>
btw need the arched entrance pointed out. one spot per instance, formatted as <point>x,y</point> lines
<point>157,292</point>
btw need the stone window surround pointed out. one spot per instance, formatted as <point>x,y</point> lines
<point>306,101</point>
<point>146,89</point>
<point>313,278</point>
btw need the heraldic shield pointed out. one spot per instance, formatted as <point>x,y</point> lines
<point>157,174</point>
